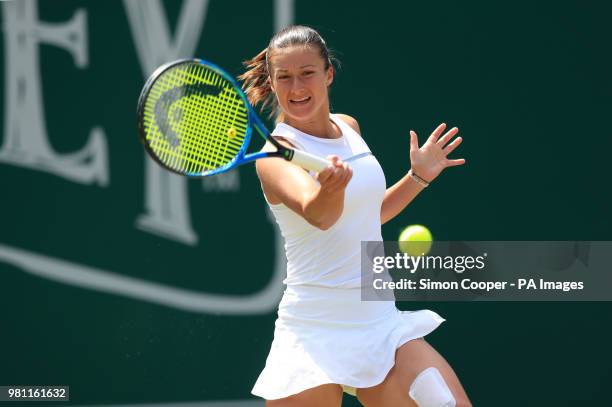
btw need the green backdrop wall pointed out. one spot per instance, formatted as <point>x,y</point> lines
<point>128,284</point>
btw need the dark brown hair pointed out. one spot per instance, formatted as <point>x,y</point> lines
<point>256,79</point>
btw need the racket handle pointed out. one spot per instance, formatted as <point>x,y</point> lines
<point>309,161</point>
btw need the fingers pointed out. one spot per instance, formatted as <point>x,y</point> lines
<point>341,177</point>
<point>333,159</point>
<point>437,132</point>
<point>324,175</point>
<point>452,163</point>
<point>336,176</point>
<point>449,148</point>
<point>414,141</point>
<point>449,135</point>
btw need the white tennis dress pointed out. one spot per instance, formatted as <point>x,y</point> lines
<point>324,332</point>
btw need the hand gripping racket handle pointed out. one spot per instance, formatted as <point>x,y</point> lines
<point>308,161</point>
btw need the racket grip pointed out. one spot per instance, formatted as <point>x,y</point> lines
<point>309,161</point>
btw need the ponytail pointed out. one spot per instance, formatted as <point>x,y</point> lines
<point>256,81</point>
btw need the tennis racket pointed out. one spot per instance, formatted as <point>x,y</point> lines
<point>195,120</point>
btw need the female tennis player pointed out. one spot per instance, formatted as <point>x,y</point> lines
<point>326,339</point>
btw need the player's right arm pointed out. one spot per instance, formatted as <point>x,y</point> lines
<point>319,203</point>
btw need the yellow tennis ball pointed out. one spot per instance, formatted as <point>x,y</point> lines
<point>415,240</point>
<point>231,132</point>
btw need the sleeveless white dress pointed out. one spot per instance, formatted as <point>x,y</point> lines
<point>324,333</point>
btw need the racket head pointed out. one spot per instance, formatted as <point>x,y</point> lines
<point>194,119</point>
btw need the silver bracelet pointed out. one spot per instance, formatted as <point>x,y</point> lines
<point>418,179</point>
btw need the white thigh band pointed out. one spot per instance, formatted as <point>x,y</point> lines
<point>430,390</point>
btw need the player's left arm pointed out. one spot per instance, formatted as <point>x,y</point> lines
<point>426,162</point>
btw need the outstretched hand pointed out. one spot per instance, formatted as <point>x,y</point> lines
<point>430,159</point>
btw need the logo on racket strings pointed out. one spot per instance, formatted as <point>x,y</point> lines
<point>162,107</point>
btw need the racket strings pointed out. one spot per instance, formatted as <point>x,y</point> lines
<point>209,149</point>
<point>195,121</point>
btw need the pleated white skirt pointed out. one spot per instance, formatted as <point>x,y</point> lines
<point>328,335</point>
